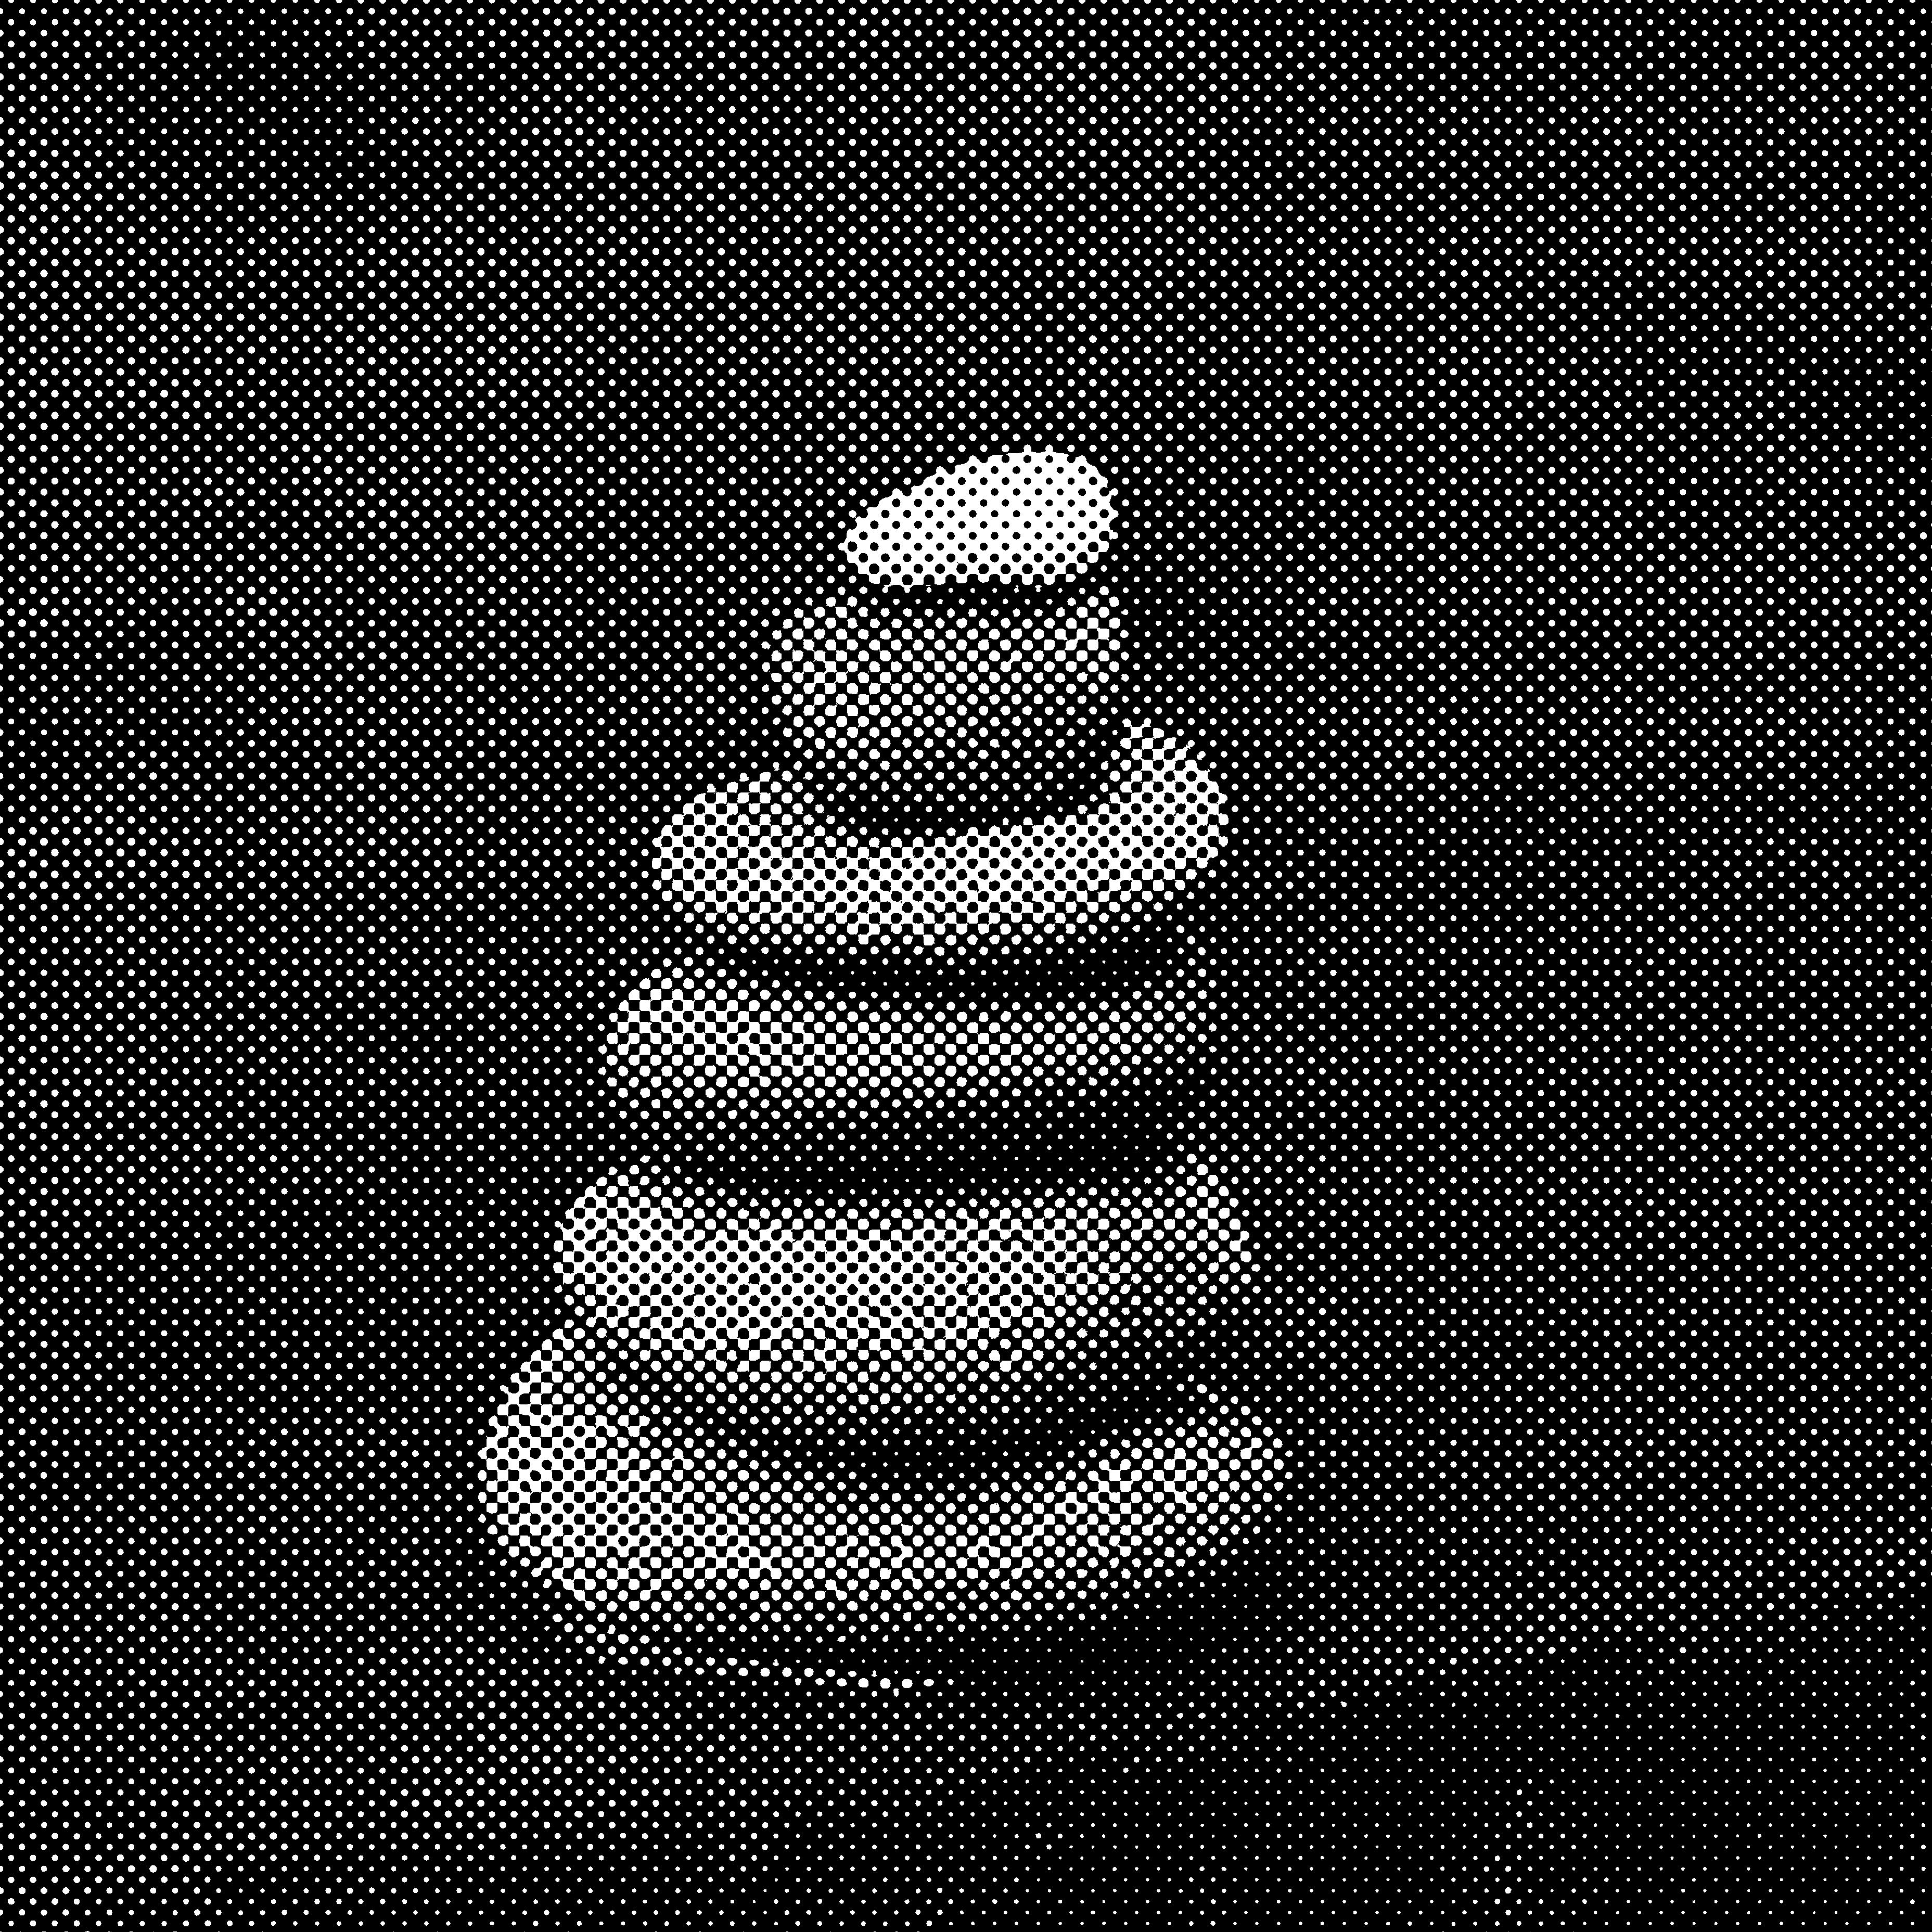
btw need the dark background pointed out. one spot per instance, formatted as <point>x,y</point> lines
<point>412,428</point>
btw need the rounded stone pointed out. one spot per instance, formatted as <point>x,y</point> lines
<point>958,715</point>
<point>1027,517</point>
<point>612,1468</point>
<point>758,862</point>
<point>995,1298</point>
<point>703,1048</point>
<point>687,1537</point>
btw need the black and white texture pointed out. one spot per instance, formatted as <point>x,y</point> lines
<point>1026,516</point>
<point>681,1461</point>
<point>1006,664</point>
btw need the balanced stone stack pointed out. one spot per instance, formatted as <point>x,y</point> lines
<point>893,1401</point>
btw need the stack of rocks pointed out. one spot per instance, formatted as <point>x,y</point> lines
<point>841,1389</point>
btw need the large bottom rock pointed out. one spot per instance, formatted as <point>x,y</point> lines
<point>644,1523</point>
<point>632,1460</point>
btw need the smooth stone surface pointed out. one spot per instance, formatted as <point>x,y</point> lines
<point>642,1510</point>
<point>976,711</point>
<point>758,862</point>
<point>727,1051</point>
<point>1028,516</point>
<point>805,1305</point>
<point>637,1522</point>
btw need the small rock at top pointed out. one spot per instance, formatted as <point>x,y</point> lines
<point>1028,516</point>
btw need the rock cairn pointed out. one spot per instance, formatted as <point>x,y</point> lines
<point>879,1405</point>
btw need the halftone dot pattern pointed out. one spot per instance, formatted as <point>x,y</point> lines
<point>896,1302</point>
<point>760,862</point>
<point>720,1053</point>
<point>691,1536</point>
<point>981,711</point>
<point>610,1494</point>
<point>1031,517</point>
<point>479,487</point>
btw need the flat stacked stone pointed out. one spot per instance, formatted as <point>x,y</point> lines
<point>646,1459</point>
